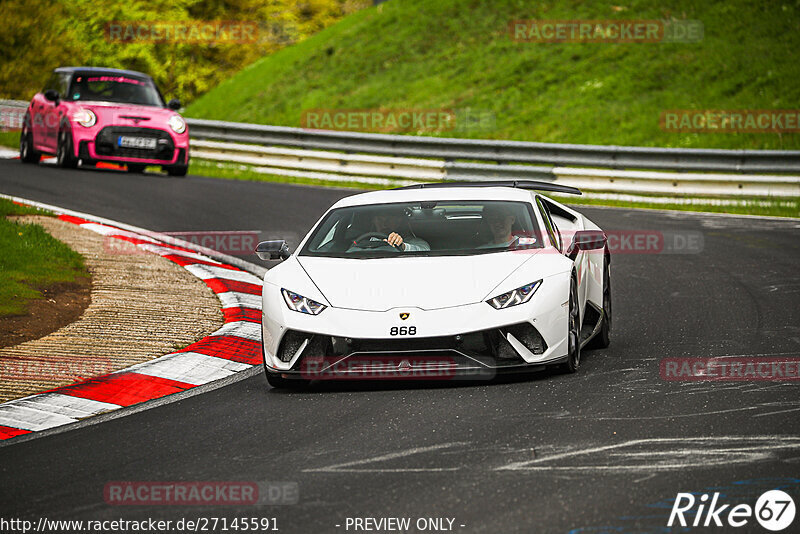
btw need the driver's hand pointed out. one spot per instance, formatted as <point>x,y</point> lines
<point>395,240</point>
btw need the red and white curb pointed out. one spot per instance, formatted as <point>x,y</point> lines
<point>233,348</point>
<point>8,153</point>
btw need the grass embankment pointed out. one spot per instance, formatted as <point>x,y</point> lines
<point>450,54</point>
<point>9,139</point>
<point>447,54</point>
<point>31,260</point>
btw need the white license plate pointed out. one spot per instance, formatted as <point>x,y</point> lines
<point>126,141</point>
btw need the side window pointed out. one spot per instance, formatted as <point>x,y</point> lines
<point>552,231</point>
<point>63,85</point>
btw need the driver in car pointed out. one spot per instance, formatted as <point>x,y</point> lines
<point>500,221</point>
<point>394,224</point>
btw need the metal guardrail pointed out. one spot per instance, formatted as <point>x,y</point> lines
<point>11,114</point>
<point>402,159</point>
<point>14,103</point>
<point>371,169</point>
<point>450,149</point>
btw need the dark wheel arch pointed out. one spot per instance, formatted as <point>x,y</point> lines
<point>573,328</point>
<point>65,149</point>
<point>602,339</point>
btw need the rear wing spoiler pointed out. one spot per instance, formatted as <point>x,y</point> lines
<point>519,184</point>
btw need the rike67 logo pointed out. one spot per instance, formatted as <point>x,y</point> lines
<point>774,510</point>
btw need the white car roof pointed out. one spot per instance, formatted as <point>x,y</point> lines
<point>389,196</point>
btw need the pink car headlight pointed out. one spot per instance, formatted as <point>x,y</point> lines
<point>177,124</point>
<point>85,117</point>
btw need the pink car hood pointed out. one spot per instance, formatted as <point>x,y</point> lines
<point>109,113</point>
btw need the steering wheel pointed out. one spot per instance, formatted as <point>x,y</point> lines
<point>365,240</point>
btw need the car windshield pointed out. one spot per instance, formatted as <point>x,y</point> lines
<point>114,88</point>
<point>436,228</point>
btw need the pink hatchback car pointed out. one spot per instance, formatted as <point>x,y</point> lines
<point>92,114</point>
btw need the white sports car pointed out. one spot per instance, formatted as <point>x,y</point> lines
<point>437,281</point>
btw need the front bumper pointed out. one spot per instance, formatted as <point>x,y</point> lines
<point>170,149</point>
<point>473,340</point>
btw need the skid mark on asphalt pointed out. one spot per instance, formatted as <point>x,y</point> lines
<point>647,456</point>
<point>665,454</point>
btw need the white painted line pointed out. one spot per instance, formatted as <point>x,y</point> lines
<point>190,367</point>
<point>207,271</point>
<point>234,299</point>
<point>245,329</point>
<point>665,454</point>
<point>348,466</point>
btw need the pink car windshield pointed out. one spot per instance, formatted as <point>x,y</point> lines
<point>113,88</point>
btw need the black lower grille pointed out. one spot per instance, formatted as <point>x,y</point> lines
<point>106,144</point>
<point>487,347</point>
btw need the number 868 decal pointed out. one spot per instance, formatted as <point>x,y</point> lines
<point>403,331</point>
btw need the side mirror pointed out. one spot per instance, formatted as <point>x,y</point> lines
<point>273,250</point>
<point>174,104</point>
<point>51,95</point>
<point>586,240</point>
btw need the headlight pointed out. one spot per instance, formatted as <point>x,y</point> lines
<point>521,295</point>
<point>301,304</point>
<point>85,117</point>
<point>177,124</point>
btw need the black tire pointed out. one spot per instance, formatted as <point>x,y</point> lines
<point>603,337</point>
<point>177,170</point>
<point>137,168</point>
<point>65,153</point>
<point>27,154</point>
<point>573,331</point>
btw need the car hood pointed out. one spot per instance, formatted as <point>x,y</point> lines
<point>128,114</point>
<point>420,282</point>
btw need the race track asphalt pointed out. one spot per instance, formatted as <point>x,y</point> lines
<point>605,450</point>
